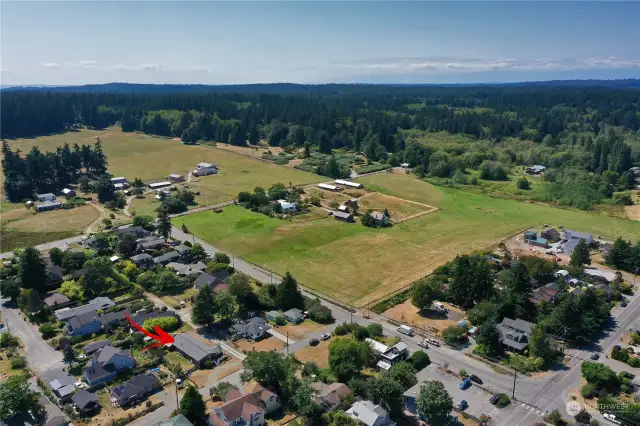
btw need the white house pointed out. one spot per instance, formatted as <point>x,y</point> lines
<point>328,187</point>
<point>348,183</point>
<point>46,197</point>
<point>205,169</point>
<point>287,207</point>
<point>120,179</point>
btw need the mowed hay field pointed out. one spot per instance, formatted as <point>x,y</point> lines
<point>359,265</point>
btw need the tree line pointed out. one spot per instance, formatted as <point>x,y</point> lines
<point>38,172</point>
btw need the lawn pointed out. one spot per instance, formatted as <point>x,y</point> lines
<point>176,358</point>
<point>359,265</point>
<point>398,208</point>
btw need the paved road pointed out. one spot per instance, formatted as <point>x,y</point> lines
<point>40,356</point>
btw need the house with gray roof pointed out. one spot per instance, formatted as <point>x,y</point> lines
<point>55,300</point>
<point>196,350</point>
<point>212,280</point>
<point>48,205</point>
<point>572,238</point>
<point>370,414</point>
<point>106,363</point>
<point>85,402</point>
<point>253,329</point>
<point>94,346</point>
<point>84,324</point>
<point>163,259</point>
<point>142,260</point>
<point>179,420</point>
<point>134,390</point>
<point>94,305</point>
<point>182,269</point>
<point>136,231</point>
<point>294,315</point>
<point>515,333</point>
<point>150,243</point>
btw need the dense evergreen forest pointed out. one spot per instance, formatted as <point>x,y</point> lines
<point>581,128</point>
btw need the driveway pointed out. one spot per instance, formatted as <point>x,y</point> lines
<point>40,356</point>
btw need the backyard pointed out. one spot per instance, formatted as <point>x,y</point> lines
<point>376,262</point>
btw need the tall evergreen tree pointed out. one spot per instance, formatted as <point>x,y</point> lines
<point>32,270</point>
<point>203,307</point>
<point>164,222</point>
<point>580,255</point>
<point>193,407</point>
<point>288,294</point>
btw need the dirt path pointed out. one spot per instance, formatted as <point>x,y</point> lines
<point>103,214</point>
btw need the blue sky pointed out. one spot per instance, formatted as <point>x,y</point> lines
<point>316,42</point>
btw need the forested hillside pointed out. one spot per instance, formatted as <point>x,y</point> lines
<point>587,133</point>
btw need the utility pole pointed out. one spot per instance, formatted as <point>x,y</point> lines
<point>287,343</point>
<point>351,314</point>
<point>513,392</point>
<point>233,260</point>
<point>177,403</point>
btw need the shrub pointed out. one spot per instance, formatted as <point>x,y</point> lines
<point>525,364</point>
<point>8,340</point>
<point>280,320</point>
<point>419,360</point>
<point>463,373</point>
<point>454,335</point>
<point>320,313</point>
<point>503,400</point>
<point>165,323</point>
<point>18,362</point>
<point>361,333</point>
<point>589,391</point>
<point>523,183</point>
<point>375,330</point>
<point>220,257</point>
<point>345,328</point>
<point>47,329</point>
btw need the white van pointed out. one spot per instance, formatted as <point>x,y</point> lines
<point>405,330</point>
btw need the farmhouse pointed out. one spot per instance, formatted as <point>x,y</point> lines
<point>174,177</point>
<point>48,205</point>
<point>158,185</point>
<point>515,333</point>
<point>348,183</point>
<point>287,207</point>
<point>572,238</point>
<point>67,192</point>
<point>106,363</point>
<point>134,390</point>
<point>328,187</point>
<point>346,217</point>
<point>196,350</point>
<point>46,197</point>
<point>119,180</point>
<point>380,218</point>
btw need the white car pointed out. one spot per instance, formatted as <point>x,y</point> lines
<point>80,385</point>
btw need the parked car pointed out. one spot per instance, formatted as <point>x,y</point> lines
<point>325,337</point>
<point>594,356</point>
<point>463,404</point>
<point>475,378</point>
<point>433,342</point>
<point>405,330</point>
<point>314,342</point>
<point>494,399</point>
<point>623,303</point>
<point>179,382</point>
<point>465,384</point>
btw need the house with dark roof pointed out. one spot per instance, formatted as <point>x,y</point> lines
<point>114,319</point>
<point>551,234</point>
<point>56,300</point>
<point>84,324</point>
<point>380,218</point>
<point>136,231</point>
<point>163,259</point>
<point>343,216</point>
<point>196,350</point>
<point>246,409</point>
<point>252,329</point>
<point>54,273</point>
<point>85,402</point>
<point>63,386</point>
<point>149,243</point>
<point>142,260</point>
<point>216,284</point>
<point>136,389</point>
<point>106,363</point>
<point>572,238</point>
<point>47,205</point>
<point>515,333</point>
<point>183,250</point>
<point>329,397</point>
<point>46,197</point>
<point>94,346</point>
<point>547,293</point>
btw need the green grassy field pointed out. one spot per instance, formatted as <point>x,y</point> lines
<point>359,265</point>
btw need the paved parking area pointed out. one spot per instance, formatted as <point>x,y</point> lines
<point>477,398</point>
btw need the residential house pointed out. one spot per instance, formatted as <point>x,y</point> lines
<point>515,333</point>
<point>119,186</point>
<point>68,193</point>
<point>48,205</point>
<point>388,356</point>
<point>119,180</point>
<point>178,420</point>
<point>547,293</point>
<point>184,252</point>
<point>63,386</point>
<point>328,397</point>
<point>253,329</point>
<point>46,197</point>
<point>535,170</point>
<point>94,346</point>
<point>370,414</point>
<point>136,231</point>
<point>294,316</point>
<point>136,389</point>
<point>287,207</point>
<point>54,273</point>
<point>106,363</point>
<point>272,315</point>
<point>216,284</point>
<point>269,401</point>
<point>572,238</point>
<point>182,269</point>
<point>149,243</point>
<point>345,217</point>
<point>114,319</point>
<point>380,218</point>
<point>85,402</point>
<point>84,324</point>
<point>246,409</point>
<point>94,305</point>
<point>56,300</point>
<point>174,177</point>
<point>352,204</point>
<point>551,234</point>
<point>142,260</point>
<point>197,351</point>
<point>562,273</point>
<point>172,256</point>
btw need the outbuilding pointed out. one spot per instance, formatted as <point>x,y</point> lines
<point>328,187</point>
<point>68,192</point>
<point>349,183</point>
<point>158,185</point>
<point>46,197</point>
<point>174,177</point>
<point>48,205</point>
<point>120,179</point>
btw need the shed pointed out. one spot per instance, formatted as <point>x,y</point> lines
<point>119,180</point>
<point>48,205</point>
<point>349,183</point>
<point>46,197</point>
<point>538,242</point>
<point>158,185</point>
<point>328,187</point>
<point>347,217</point>
<point>294,315</point>
<point>174,177</point>
<point>530,235</point>
<point>68,192</point>
<point>272,315</point>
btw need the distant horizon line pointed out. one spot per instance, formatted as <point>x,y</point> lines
<point>6,86</point>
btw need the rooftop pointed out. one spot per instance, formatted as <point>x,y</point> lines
<point>194,347</point>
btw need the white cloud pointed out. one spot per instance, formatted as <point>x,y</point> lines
<point>150,66</point>
<point>143,67</point>
<point>50,65</point>
<point>88,63</point>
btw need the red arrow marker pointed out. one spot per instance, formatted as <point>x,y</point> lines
<point>163,337</point>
